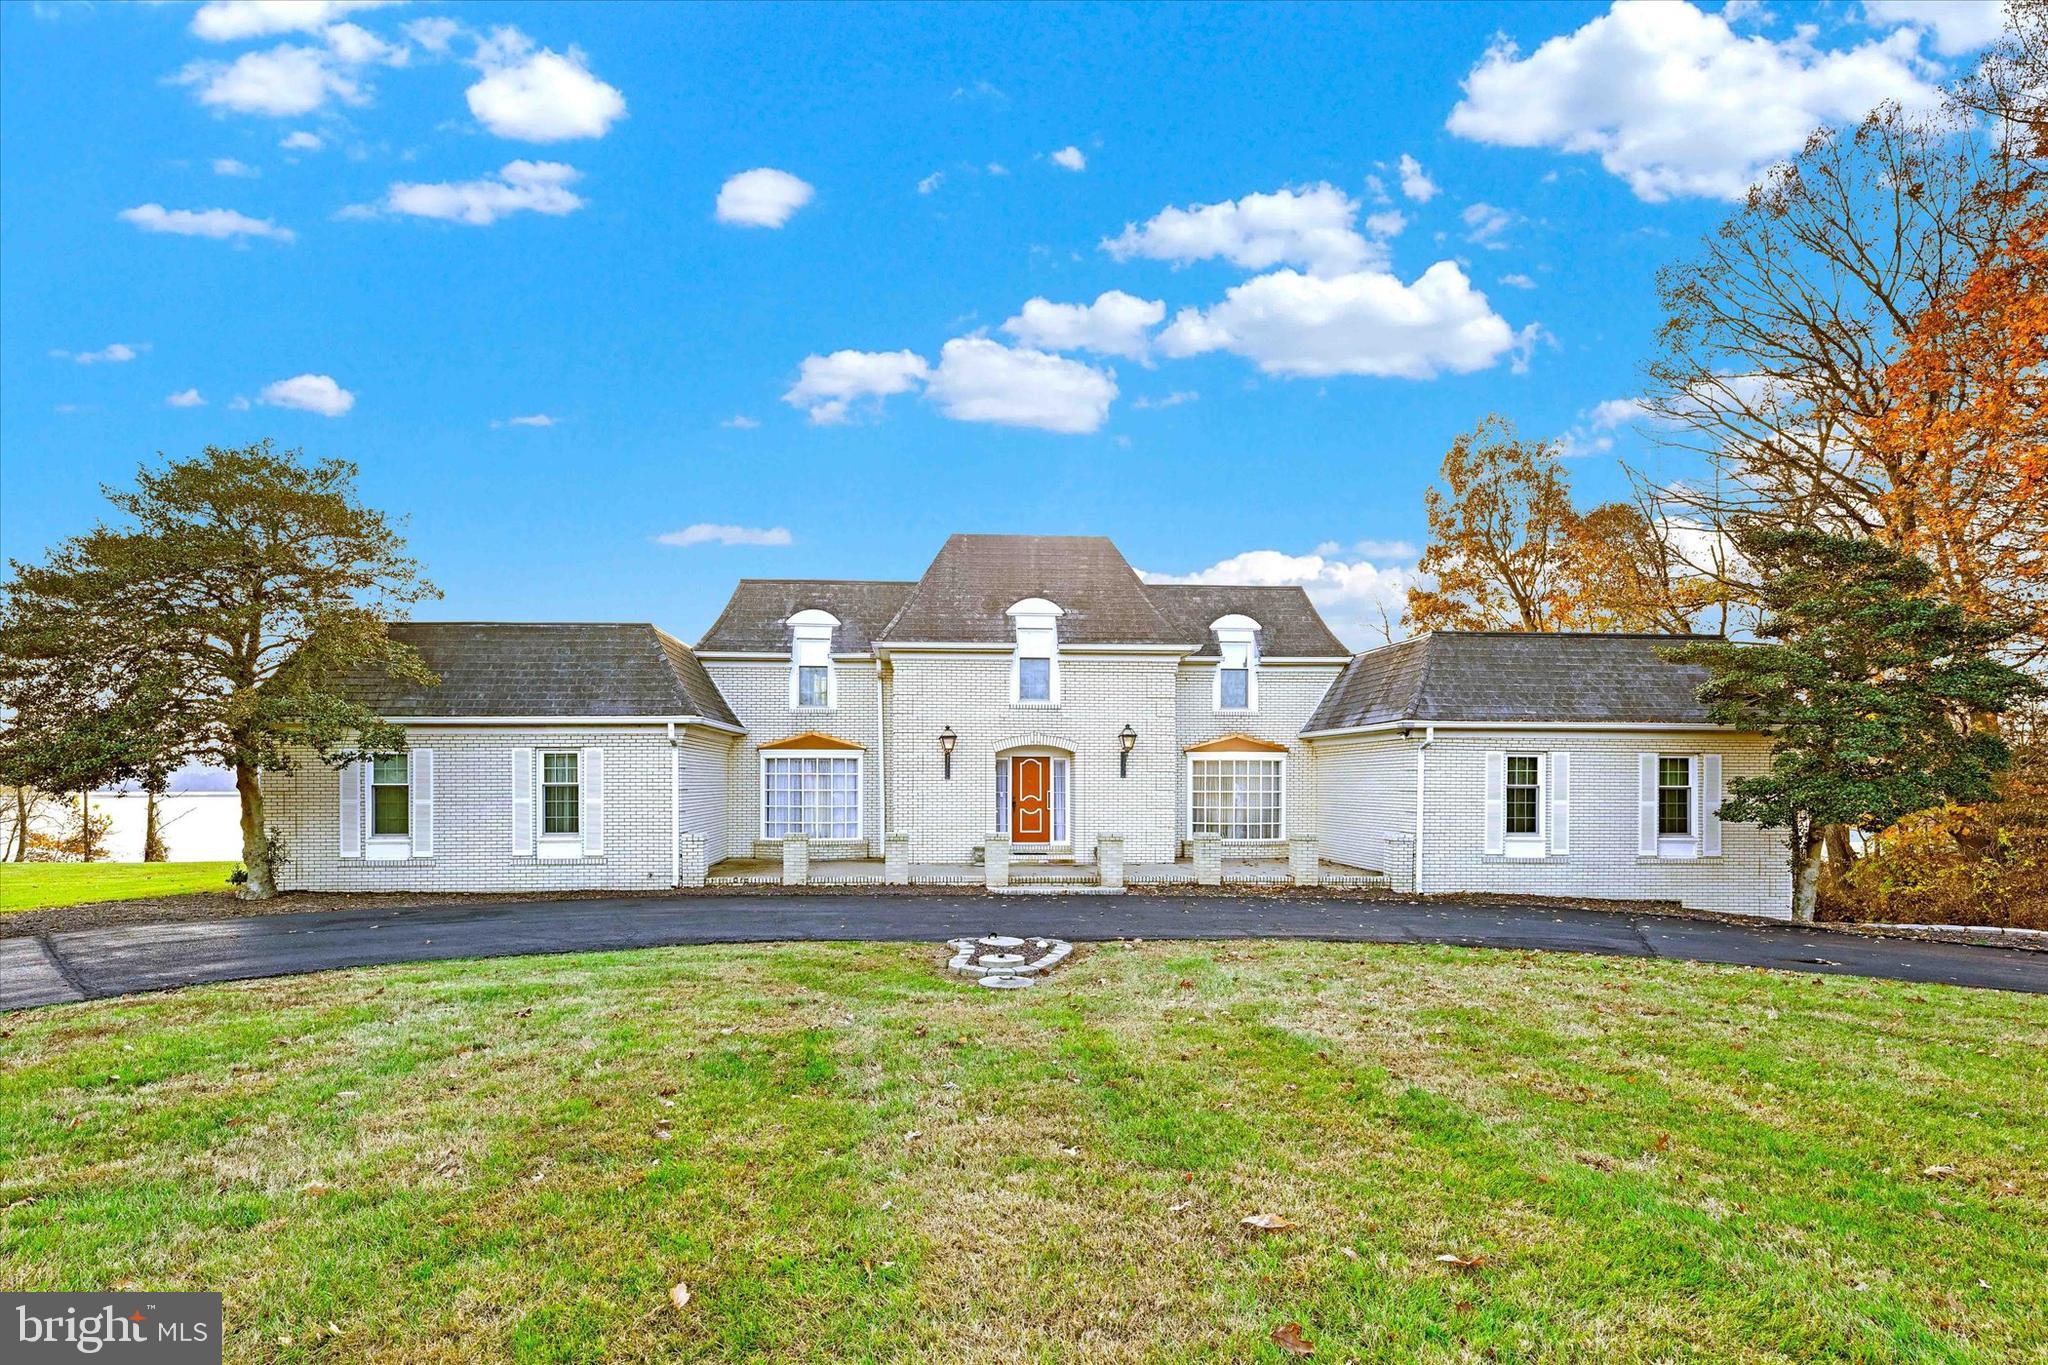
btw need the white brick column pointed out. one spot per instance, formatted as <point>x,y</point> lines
<point>1305,860</point>
<point>1400,860</point>
<point>996,862</point>
<point>896,859</point>
<point>1208,851</point>
<point>1109,859</point>
<point>691,863</point>
<point>796,860</point>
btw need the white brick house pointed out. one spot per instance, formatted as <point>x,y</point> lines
<point>1032,690</point>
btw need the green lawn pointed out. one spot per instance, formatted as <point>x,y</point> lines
<point>846,1155</point>
<point>38,886</point>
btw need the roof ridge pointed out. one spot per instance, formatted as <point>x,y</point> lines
<point>865,582</point>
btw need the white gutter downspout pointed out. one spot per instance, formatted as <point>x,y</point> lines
<point>675,808</point>
<point>881,759</point>
<point>1421,753</point>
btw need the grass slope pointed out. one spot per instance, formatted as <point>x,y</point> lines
<point>37,886</point>
<point>847,1156</point>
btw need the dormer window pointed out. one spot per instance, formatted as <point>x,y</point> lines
<point>1035,668</point>
<point>812,685</point>
<point>1237,663</point>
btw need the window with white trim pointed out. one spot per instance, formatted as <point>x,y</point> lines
<point>813,794</point>
<point>390,797</point>
<point>1236,797</point>
<point>561,794</point>
<point>1674,796</point>
<point>1524,796</point>
<point>812,683</point>
<point>1035,666</point>
<point>1237,663</point>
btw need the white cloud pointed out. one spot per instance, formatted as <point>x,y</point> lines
<point>521,187</point>
<point>231,21</point>
<point>931,182</point>
<point>1367,323</point>
<point>1360,599</point>
<point>979,380</point>
<point>1070,158</point>
<point>1387,223</point>
<point>216,223</point>
<point>1314,228</point>
<point>227,165</point>
<point>308,393</point>
<point>998,168</point>
<point>540,96</point>
<point>238,404</point>
<point>1674,101</point>
<point>116,353</point>
<point>185,398</point>
<point>1957,26</point>
<point>762,197</point>
<point>708,533</point>
<point>739,421</point>
<point>1616,412</point>
<point>354,45</point>
<point>1115,324</point>
<point>282,82</point>
<point>1487,223</point>
<point>1171,400</point>
<point>535,419</point>
<point>1415,182</point>
<point>828,386</point>
<point>1518,281</point>
<point>434,34</point>
<point>301,141</point>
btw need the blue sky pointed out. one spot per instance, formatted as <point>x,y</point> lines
<point>388,232</point>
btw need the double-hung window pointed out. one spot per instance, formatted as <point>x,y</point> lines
<point>561,795</point>
<point>1524,796</point>
<point>1237,674</point>
<point>1674,797</point>
<point>1236,797</point>
<point>390,797</point>
<point>811,681</point>
<point>1035,668</point>
<point>815,795</point>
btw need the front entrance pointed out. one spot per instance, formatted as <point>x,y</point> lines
<point>1031,800</point>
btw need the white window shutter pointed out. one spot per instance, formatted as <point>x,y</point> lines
<point>592,778</point>
<point>1496,801</point>
<point>421,769</point>
<point>352,809</point>
<point>1646,834</point>
<point>522,801</point>
<point>1710,801</point>
<point>1560,803</point>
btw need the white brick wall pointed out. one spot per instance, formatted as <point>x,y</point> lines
<point>703,773</point>
<point>1366,803</point>
<point>758,692</point>
<point>1288,694</point>
<point>1749,877</point>
<point>473,816</point>
<point>1099,695</point>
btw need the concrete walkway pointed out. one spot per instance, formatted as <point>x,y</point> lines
<point>90,964</point>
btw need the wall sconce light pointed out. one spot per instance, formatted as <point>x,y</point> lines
<point>1129,739</point>
<point>947,739</point>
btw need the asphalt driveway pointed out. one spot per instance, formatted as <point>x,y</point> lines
<point>90,964</point>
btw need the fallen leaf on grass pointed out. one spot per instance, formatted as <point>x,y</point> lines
<point>680,1296</point>
<point>1182,1206</point>
<point>1287,1336</point>
<point>913,1135</point>
<point>1938,1172</point>
<point>316,1189</point>
<point>1461,1262</point>
<point>1265,1222</point>
<point>1662,1144</point>
<point>1347,1253</point>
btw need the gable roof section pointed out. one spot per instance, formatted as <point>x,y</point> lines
<point>1499,676</point>
<point>1289,624</point>
<point>493,668</point>
<point>752,622</point>
<point>975,579</point>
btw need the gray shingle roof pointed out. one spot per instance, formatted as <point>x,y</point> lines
<point>976,579</point>
<point>493,668</point>
<point>1481,676</point>
<point>752,622</point>
<point>1289,624</point>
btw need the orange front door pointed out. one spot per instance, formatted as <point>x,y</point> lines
<point>1031,800</point>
